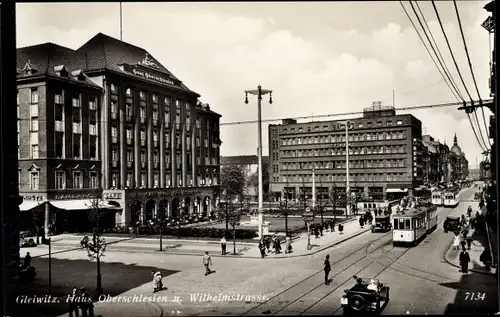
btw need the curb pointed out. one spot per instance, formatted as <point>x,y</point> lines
<point>445,257</point>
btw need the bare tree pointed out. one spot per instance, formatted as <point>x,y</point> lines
<point>97,246</point>
<point>233,216</point>
<point>286,206</point>
<point>321,202</point>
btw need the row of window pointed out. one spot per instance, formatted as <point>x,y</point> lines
<point>390,149</point>
<point>60,180</point>
<point>142,95</point>
<point>337,126</point>
<point>337,138</point>
<point>129,134</point>
<point>342,164</point>
<point>208,180</point>
<point>374,177</point>
<point>155,158</point>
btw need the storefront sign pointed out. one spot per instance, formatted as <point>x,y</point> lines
<point>147,74</point>
<point>112,195</point>
<point>30,197</point>
<point>73,196</point>
<point>176,193</point>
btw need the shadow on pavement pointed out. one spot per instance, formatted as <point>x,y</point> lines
<point>476,295</point>
<point>117,278</point>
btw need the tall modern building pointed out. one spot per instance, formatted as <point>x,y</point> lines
<point>385,154</point>
<point>110,117</point>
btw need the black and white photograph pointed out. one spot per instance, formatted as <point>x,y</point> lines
<point>249,158</point>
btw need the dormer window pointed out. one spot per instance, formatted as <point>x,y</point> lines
<point>29,69</point>
<point>61,71</point>
<point>78,75</point>
<point>113,88</point>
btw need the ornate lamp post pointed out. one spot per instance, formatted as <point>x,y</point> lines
<point>259,92</point>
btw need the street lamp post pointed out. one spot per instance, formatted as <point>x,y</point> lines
<point>259,92</point>
<point>308,218</point>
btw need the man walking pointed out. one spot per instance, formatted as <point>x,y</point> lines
<point>27,260</point>
<point>464,261</point>
<point>223,245</point>
<point>207,261</point>
<point>327,269</point>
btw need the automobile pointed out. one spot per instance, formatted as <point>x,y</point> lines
<point>367,295</point>
<point>26,240</point>
<point>451,223</point>
<point>382,223</point>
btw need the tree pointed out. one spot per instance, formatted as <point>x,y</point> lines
<point>253,179</point>
<point>232,181</point>
<point>286,207</point>
<point>233,216</point>
<point>321,201</point>
<point>135,209</point>
<point>97,246</point>
<point>335,198</point>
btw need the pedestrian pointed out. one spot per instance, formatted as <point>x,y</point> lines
<point>327,268</point>
<point>267,243</point>
<point>262,248</point>
<point>321,229</point>
<point>278,245</point>
<point>207,261</point>
<point>288,245</point>
<point>332,225</point>
<point>86,304</point>
<point>223,245</point>
<point>485,257</point>
<point>456,242</point>
<point>469,242</point>
<point>341,228</point>
<point>463,243</point>
<point>469,211</point>
<point>73,303</point>
<point>361,222</point>
<point>27,260</point>
<point>464,259</point>
<point>316,231</point>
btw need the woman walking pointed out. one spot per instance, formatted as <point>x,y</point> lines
<point>327,269</point>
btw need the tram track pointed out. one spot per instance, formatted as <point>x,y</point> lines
<point>362,254</point>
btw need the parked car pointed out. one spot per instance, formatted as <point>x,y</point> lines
<point>368,295</point>
<point>26,239</point>
<point>382,223</point>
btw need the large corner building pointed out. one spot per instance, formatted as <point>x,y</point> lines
<point>109,116</point>
<point>385,155</point>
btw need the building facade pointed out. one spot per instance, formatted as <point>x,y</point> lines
<point>140,135</point>
<point>442,164</point>
<point>385,154</point>
<point>250,166</point>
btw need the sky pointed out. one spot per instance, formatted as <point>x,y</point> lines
<point>317,57</point>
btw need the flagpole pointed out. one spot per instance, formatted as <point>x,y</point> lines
<point>314,191</point>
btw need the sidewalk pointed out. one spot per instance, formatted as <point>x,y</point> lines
<point>67,242</point>
<point>478,243</point>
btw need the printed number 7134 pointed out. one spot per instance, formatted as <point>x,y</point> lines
<point>475,296</point>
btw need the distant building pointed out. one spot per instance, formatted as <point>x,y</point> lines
<point>485,170</point>
<point>475,173</point>
<point>385,154</point>
<point>250,165</point>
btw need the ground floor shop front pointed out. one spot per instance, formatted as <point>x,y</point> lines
<point>69,211</point>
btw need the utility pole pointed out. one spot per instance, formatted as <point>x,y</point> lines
<point>10,201</point>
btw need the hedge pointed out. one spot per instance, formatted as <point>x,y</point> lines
<point>189,232</point>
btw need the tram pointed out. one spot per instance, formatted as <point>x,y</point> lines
<point>412,225</point>
<point>450,199</point>
<point>437,198</point>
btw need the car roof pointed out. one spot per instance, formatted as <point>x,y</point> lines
<point>453,217</point>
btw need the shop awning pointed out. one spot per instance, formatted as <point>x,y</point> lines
<point>81,204</point>
<point>28,205</point>
<point>396,190</point>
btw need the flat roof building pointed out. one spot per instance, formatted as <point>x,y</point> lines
<point>384,154</point>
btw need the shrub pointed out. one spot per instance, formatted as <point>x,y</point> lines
<point>206,232</point>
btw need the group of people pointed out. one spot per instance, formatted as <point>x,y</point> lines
<point>80,300</point>
<point>464,239</point>
<point>265,245</point>
<point>328,225</point>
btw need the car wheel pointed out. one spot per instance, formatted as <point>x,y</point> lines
<point>356,302</point>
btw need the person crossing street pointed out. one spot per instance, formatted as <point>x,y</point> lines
<point>207,262</point>
<point>464,260</point>
<point>327,268</point>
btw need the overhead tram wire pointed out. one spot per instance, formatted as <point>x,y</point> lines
<point>473,78</point>
<point>433,44</point>
<point>458,70</point>
<point>340,114</point>
<point>427,49</point>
